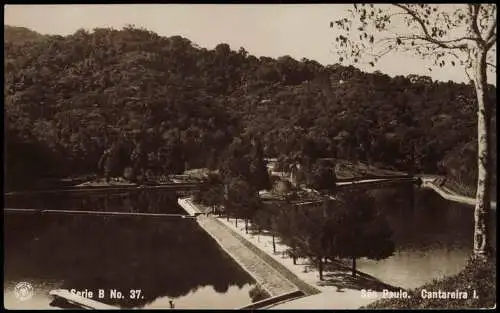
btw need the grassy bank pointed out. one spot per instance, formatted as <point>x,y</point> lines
<point>467,190</point>
<point>460,187</point>
<point>480,277</point>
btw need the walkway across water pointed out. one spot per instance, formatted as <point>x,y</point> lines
<point>80,301</point>
<point>265,275</point>
<point>97,212</point>
<point>111,188</point>
<point>272,276</point>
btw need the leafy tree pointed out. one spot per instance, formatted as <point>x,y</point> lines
<point>466,35</point>
<point>20,35</point>
<point>235,162</point>
<point>322,175</point>
<point>356,230</point>
<point>312,230</point>
<point>263,219</point>
<point>241,200</point>
<point>258,168</point>
<point>68,99</point>
<point>128,174</point>
<point>281,224</point>
<point>212,193</point>
<point>257,293</point>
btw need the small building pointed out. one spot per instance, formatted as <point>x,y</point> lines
<point>283,187</point>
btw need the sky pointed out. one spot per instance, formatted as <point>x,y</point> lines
<point>298,30</point>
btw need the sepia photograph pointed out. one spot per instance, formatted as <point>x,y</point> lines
<point>250,156</point>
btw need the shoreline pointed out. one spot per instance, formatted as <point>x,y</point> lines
<point>450,195</point>
<point>328,296</point>
<point>276,283</point>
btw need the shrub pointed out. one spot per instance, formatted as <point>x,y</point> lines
<point>478,276</point>
<point>258,293</point>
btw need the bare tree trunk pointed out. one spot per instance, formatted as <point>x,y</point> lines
<point>482,249</point>
<point>246,225</point>
<point>274,244</point>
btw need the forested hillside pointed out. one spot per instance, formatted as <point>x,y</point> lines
<point>14,34</point>
<point>131,100</point>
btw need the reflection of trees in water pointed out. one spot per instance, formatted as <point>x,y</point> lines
<point>220,287</point>
<point>161,256</point>
<point>147,201</point>
<point>430,222</point>
<point>144,201</point>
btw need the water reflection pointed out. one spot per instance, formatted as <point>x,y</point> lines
<point>110,201</point>
<point>166,258</point>
<point>433,236</point>
<point>172,258</point>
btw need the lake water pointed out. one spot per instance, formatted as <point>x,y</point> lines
<point>173,258</point>
<point>164,257</point>
<point>433,236</point>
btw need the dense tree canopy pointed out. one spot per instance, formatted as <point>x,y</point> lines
<point>349,227</point>
<point>130,102</point>
<point>357,229</point>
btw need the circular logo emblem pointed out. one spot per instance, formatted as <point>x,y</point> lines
<point>23,291</point>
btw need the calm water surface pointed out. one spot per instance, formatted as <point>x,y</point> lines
<point>166,258</point>
<point>433,236</point>
<point>172,258</point>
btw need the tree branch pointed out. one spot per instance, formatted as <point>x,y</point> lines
<point>428,37</point>
<point>468,75</point>
<point>490,64</point>
<point>385,39</point>
<point>381,54</point>
<point>468,65</point>
<point>441,41</point>
<point>492,41</point>
<point>491,30</point>
<point>474,11</point>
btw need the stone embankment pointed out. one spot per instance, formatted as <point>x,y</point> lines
<point>277,280</point>
<point>446,193</point>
